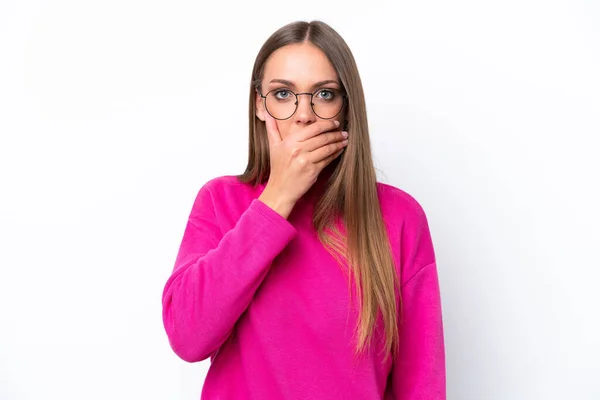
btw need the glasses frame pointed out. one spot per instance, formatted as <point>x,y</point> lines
<point>312,105</point>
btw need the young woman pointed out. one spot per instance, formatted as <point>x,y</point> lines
<point>304,277</point>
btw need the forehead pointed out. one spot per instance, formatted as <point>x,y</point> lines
<point>302,63</point>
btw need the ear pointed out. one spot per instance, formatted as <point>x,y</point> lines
<point>260,109</point>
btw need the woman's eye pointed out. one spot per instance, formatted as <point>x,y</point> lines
<point>325,94</point>
<point>282,94</point>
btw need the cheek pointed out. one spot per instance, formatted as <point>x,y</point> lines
<point>284,128</point>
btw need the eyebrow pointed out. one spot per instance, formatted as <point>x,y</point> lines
<point>290,83</point>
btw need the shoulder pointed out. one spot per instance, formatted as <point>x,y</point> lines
<point>227,192</point>
<point>227,183</point>
<point>406,222</point>
<point>399,202</point>
<point>223,182</point>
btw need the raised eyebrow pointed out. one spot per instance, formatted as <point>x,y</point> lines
<point>291,84</point>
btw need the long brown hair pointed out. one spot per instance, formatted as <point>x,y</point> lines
<point>351,192</point>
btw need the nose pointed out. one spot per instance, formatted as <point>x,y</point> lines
<point>304,113</point>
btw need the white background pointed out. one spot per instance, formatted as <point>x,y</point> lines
<point>113,114</point>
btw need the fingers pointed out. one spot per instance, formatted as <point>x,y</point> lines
<point>317,128</point>
<point>323,163</point>
<point>323,139</point>
<point>273,135</point>
<point>327,151</point>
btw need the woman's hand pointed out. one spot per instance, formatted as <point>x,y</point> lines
<point>297,161</point>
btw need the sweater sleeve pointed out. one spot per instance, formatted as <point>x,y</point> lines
<point>215,276</point>
<point>419,372</point>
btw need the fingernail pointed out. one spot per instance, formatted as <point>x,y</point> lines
<point>345,134</point>
<point>337,123</point>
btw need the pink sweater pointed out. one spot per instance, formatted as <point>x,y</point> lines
<point>260,296</point>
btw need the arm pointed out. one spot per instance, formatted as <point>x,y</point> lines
<point>215,276</point>
<point>419,372</point>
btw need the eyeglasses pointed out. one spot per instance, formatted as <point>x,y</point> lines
<point>326,103</point>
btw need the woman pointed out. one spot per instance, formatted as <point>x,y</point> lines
<point>304,277</point>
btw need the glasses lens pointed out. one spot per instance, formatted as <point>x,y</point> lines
<point>327,102</point>
<point>281,103</point>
